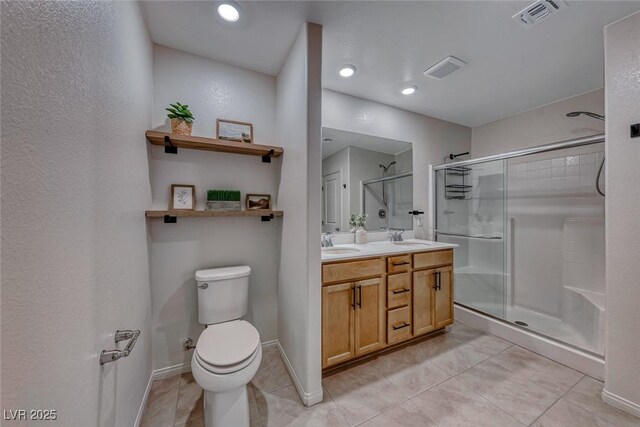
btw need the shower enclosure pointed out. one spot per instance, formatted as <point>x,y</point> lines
<point>530,230</point>
<point>387,201</point>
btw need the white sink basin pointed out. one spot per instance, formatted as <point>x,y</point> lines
<point>337,251</point>
<point>415,244</point>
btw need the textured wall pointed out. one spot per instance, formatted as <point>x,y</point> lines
<point>76,100</point>
<point>622,73</point>
<point>298,98</point>
<point>542,125</point>
<point>212,90</point>
<point>432,139</point>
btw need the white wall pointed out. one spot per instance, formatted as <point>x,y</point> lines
<point>298,100</point>
<point>339,162</point>
<point>542,125</point>
<point>432,138</point>
<point>76,101</point>
<point>212,90</point>
<point>622,68</point>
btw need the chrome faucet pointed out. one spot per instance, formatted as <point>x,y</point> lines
<point>326,241</point>
<point>395,235</point>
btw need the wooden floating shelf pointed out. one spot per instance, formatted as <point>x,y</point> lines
<point>212,144</point>
<point>199,214</point>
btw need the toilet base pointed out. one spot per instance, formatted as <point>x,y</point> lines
<point>227,409</point>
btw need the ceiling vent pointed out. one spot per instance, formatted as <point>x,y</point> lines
<point>445,67</point>
<point>538,11</point>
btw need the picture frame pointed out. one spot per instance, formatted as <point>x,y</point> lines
<point>183,197</point>
<point>258,202</point>
<point>231,130</point>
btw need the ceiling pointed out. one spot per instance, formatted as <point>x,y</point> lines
<point>510,68</point>
<point>342,139</point>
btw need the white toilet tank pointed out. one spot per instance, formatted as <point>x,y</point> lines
<point>223,294</point>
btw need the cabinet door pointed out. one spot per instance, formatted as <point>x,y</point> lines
<point>338,308</point>
<point>423,303</point>
<point>369,320</point>
<point>443,297</point>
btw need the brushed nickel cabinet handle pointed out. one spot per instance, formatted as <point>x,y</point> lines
<point>403,325</point>
<point>401,291</point>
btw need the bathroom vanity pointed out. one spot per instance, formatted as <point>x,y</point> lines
<point>382,294</point>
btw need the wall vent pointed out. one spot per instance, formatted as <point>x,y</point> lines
<point>445,67</point>
<point>538,11</point>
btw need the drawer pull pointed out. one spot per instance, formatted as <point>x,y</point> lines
<point>400,326</point>
<point>400,291</point>
<point>395,264</point>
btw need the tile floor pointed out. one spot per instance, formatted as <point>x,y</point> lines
<point>461,378</point>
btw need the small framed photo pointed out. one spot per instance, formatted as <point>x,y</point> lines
<point>230,130</point>
<point>183,197</point>
<point>258,202</point>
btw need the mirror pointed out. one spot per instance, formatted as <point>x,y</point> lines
<point>365,174</point>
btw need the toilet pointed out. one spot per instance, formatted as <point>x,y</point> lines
<point>228,352</point>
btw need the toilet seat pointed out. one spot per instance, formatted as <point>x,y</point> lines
<point>227,347</point>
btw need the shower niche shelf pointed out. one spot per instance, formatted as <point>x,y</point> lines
<point>456,183</point>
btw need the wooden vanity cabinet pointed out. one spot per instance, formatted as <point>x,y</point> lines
<point>352,311</point>
<point>338,315</point>
<point>370,304</point>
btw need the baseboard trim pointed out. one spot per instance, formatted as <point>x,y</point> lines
<point>181,368</point>
<point>621,403</point>
<point>143,404</point>
<point>308,399</point>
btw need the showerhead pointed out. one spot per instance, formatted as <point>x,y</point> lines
<point>386,168</point>
<point>586,113</point>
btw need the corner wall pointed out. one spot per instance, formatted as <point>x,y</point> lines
<point>76,101</point>
<point>622,82</point>
<point>298,127</point>
<point>541,125</point>
<point>212,90</point>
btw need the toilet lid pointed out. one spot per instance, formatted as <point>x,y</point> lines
<point>228,343</point>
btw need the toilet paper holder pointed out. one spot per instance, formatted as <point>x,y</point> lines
<point>108,356</point>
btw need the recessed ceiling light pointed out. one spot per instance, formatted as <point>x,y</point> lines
<point>228,12</point>
<point>408,90</point>
<point>347,71</point>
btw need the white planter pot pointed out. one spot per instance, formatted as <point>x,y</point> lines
<point>219,205</point>
<point>361,236</point>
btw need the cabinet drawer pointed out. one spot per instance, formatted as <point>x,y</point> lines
<point>398,290</point>
<point>398,264</point>
<point>398,324</point>
<point>432,259</point>
<point>352,270</point>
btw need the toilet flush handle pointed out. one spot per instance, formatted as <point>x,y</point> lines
<point>203,286</point>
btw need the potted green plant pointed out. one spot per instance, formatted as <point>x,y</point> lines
<point>181,119</point>
<point>358,221</point>
<point>223,200</point>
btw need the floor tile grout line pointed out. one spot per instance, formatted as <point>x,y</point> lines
<point>272,391</point>
<point>584,408</point>
<point>551,405</point>
<point>556,401</point>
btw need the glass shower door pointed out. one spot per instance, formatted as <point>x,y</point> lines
<point>470,212</point>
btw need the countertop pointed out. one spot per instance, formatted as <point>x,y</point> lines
<point>374,249</point>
